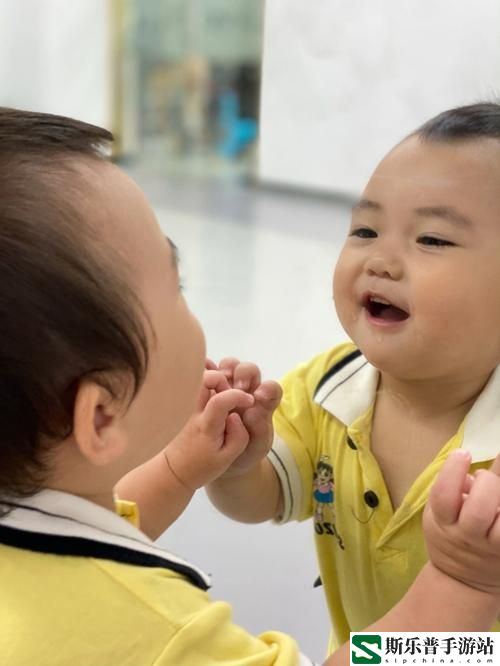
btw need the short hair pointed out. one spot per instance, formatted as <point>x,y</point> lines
<point>474,121</point>
<point>67,311</point>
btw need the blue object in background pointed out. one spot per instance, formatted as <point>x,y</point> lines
<point>236,133</point>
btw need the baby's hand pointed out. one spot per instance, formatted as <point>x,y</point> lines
<point>257,418</point>
<point>462,524</point>
<point>213,437</point>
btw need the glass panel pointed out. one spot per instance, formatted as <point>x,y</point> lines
<point>190,84</point>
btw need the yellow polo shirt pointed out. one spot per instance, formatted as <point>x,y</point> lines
<point>80,586</point>
<point>368,554</point>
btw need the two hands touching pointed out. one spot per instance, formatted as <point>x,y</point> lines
<point>231,432</point>
<point>231,429</point>
<point>228,435</point>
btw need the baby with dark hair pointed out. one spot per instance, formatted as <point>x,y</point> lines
<point>103,391</point>
<point>417,290</point>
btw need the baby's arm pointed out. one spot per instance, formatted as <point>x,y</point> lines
<point>250,491</point>
<point>435,602</point>
<point>210,441</point>
<point>461,527</point>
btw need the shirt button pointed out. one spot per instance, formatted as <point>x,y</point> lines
<point>371,499</point>
<point>351,444</point>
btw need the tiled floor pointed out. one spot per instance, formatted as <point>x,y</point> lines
<point>257,269</point>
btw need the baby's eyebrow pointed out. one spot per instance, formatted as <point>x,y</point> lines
<point>447,213</point>
<point>175,253</point>
<point>367,204</point>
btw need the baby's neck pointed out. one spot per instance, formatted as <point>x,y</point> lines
<point>416,417</point>
<point>104,499</point>
<point>434,398</point>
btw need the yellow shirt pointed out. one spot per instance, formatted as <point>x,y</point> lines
<point>80,586</point>
<point>368,554</point>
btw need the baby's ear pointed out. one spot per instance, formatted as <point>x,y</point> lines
<point>97,427</point>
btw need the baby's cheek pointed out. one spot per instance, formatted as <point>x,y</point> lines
<point>342,294</point>
<point>339,278</point>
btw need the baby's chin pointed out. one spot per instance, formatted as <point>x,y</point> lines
<point>392,359</point>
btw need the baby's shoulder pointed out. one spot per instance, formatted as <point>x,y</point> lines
<point>311,374</point>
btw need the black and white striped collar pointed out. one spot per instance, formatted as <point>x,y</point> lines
<point>58,523</point>
<point>348,389</point>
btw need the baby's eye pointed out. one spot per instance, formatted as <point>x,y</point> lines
<point>363,232</point>
<point>433,241</point>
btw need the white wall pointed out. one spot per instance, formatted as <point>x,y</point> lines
<point>344,80</point>
<point>55,56</point>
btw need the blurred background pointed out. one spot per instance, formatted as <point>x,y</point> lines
<point>252,126</point>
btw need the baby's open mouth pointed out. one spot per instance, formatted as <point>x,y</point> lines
<point>380,308</point>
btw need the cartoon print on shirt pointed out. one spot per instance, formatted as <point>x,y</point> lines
<point>324,488</point>
<point>324,496</point>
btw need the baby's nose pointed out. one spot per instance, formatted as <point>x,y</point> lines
<point>384,266</point>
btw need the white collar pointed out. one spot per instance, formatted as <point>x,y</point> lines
<point>55,522</point>
<point>350,391</point>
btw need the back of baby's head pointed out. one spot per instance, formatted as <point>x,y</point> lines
<point>67,311</point>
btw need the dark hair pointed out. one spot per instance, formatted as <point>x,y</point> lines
<point>322,464</point>
<point>67,311</point>
<point>474,121</point>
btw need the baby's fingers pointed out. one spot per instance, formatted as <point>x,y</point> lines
<point>246,376</point>
<point>480,509</point>
<point>213,380</point>
<point>258,422</point>
<point>494,533</point>
<point>495,466</point>
<point>446,496</point>
<point>228,365</point>
<point>236,438</point>
<point>220,406</point>
<point>268,395</point>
